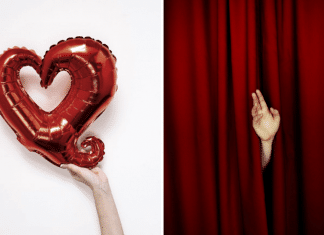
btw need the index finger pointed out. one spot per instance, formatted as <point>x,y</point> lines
<point>76,169</point>
<point>261,100</point>
<point>255,99</point>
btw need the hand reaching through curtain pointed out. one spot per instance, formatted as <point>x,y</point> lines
<point>265,123</point>
<point>97,180</point>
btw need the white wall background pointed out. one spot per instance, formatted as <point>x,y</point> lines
<point>37,197</point>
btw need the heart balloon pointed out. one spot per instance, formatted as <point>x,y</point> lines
<point>54,134</point>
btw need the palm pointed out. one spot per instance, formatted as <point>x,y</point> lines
<point>94,178</point>
<point>267,127</point>
<point>265,122</point>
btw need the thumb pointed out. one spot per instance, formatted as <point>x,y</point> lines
<point>275,114</point>
<point>63,166</point>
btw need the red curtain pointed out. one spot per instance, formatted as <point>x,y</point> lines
<point>217,53</point>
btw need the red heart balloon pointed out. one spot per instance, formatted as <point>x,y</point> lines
<point>54,134</point>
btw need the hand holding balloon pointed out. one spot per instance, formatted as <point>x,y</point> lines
<point>95,178</point>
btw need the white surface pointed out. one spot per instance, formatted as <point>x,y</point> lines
<point>37,197</point>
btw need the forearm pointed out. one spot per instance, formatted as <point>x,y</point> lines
<point>107,212</point>
<point>266,148</point>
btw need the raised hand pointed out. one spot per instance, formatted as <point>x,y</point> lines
<point>265,122</point>
<point>94,178</point>
<point>97,180</point>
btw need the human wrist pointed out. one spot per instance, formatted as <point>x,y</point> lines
<point>101,188</point>
<point>266,149</point>
<point>266,146</point>
<point>268,141</point>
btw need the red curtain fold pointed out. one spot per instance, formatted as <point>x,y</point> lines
<point>217,53</point>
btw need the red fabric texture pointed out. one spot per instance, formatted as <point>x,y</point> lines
<point>217,53</point>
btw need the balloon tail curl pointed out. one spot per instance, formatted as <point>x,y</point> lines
<point>87,159</point>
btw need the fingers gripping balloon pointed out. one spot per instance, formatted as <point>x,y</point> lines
<point>54,134</point>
